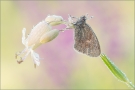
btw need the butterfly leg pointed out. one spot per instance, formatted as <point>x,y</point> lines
<point>72,16</point>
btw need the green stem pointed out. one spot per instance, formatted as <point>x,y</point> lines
<point>116,71</point>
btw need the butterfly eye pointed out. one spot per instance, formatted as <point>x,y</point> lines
<point>83,18</point>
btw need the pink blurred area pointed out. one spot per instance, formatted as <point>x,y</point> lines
<point>62,67</point>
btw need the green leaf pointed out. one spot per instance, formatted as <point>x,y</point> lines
<point>116,71</point>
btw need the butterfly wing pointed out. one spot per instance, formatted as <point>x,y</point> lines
<point>86,41</point>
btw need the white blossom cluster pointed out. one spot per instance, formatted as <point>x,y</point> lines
<point>41,33</point>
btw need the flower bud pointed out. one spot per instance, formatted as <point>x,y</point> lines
<point>49,36</point>
<point>54,20</point>
<point>39,30</point>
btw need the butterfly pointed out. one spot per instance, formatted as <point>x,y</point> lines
<point>86,40</point>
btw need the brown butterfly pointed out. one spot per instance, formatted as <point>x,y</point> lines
<point>85,39</point>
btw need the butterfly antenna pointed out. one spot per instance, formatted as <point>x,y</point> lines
<point>88,17</point>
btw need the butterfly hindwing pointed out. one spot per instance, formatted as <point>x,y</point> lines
<point>86,41</point>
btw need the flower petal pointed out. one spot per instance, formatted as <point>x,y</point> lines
<point>35,57</point>
<point>23,35</point>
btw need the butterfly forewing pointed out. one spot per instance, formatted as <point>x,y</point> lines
<point>86,41</point>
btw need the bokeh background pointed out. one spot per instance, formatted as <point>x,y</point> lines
<point>62,67</point>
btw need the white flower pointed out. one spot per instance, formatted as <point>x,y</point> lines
<point>41,33</point>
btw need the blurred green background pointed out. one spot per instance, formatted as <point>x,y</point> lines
<point>63,67</point>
